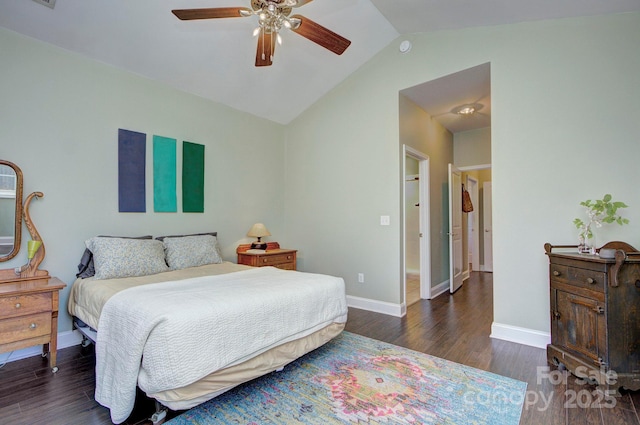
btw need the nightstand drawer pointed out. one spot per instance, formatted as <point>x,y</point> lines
<point>26,327</point>
<point>273,256</point>
<point>273,260</point>
<point>21,305</point>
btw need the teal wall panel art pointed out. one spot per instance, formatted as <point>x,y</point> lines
<point>164,174</point>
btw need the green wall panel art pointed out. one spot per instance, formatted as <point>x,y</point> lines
<point>192,177</point>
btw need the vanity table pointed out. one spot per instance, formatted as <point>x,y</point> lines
<point>29,315</point>
<point>28,296</point>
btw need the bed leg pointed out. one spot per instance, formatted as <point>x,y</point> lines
<point>160,415</point>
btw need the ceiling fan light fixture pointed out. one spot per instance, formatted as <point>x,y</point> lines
<point>467,109</point>
<point>293,23</point>
<point>272,16</point>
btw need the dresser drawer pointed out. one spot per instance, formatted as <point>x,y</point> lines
<point>588,279</point>
<point>26,327</point>
<point>559,272</point>
<point>21,305</point>
<point>273,260</point>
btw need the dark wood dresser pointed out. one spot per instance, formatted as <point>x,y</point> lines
<point>595,315</point>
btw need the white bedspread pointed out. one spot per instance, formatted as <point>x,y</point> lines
<point>168,335</point>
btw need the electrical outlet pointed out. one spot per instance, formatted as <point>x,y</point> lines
<point>385,220</point>
<point>360,277</point>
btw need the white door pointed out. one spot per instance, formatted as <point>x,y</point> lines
<point>455,228</point>
<point>488,229</point>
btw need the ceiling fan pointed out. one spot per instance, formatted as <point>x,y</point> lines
<point>273,15</point>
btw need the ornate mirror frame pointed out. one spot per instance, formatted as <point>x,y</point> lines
<point>18,212</point>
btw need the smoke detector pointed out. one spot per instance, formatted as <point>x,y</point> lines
<point>48,3</point>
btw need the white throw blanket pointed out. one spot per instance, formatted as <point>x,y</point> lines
<point>168,335</point>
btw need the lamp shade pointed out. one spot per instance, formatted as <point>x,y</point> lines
<point>258,230</point>
<point>32,248</point>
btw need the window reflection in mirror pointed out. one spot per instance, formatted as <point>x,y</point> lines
<point>10,209</point>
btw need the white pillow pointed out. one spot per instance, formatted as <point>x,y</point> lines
<point>191,251</point>
<point>115,257</point>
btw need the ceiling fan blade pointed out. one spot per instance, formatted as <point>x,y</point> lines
<point>266,48</point>
<point>215,12</point>
<point>321,35</point>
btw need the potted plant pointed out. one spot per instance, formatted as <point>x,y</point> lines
<point>600,212</point>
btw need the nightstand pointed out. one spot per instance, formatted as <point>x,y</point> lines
<point>273,256</point>
<point>29,316</point>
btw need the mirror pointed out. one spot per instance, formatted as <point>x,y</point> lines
<point>10,209</point>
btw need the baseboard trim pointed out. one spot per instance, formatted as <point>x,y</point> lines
<point>397,310</point>
<point>440,289</point>
<point>520,335</point>
<point>65,340</point>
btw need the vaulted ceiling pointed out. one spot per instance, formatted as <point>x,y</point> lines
<point>214,58</point>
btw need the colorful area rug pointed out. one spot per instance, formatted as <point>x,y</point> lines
<point>358,380</point>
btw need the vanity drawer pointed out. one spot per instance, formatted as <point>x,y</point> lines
<point>21,305</point>
<point>26,327</point>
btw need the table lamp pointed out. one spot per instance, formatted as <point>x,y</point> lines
<point>258,230</point>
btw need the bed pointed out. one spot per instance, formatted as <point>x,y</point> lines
<point>187,326</point>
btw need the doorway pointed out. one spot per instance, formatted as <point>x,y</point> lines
<point>416,270</point>
<point>477,225</point>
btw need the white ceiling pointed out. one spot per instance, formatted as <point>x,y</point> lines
<point>215,58</point>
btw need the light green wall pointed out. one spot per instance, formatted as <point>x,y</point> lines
<point>59,120</point>
<point>472,147</point>
<point>563,94</point>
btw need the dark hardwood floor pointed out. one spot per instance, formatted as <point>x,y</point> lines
<point>455,327</point>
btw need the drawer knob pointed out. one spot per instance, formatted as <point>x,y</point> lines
<point>288,257</point>
<point>264,260</point>
<point>556,273</point>
<point>18,305</point>
<point>33,326</point>
<point>590,281</point>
